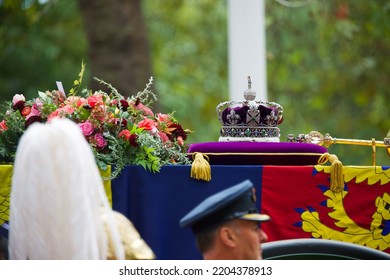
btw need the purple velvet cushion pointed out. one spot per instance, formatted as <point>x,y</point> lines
<point>271,153</point>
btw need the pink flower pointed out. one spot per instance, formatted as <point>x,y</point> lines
<point>124,134</point>
<point>68,109</point>
<point>147,124</point>
<point>145,109</point>
<point>17,98</point>
<point>114,102</point>
<point>76,101</point>
<point>18,101</point>
<point>61,112</point>
<point>163,136</point>
<point>94,100</point>
<point>180,141</point>
<point>100,141</point>
<point>53,115</point>
<point>36,109</point>
<point>38,103</point>
<point>81,102</point>
<point>3,126</point>
<point>164,118</point>
<point>86,128</point>
<point>34,114</point>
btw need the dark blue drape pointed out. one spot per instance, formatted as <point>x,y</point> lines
<point>155,203</point>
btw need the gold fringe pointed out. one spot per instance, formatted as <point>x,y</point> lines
<point>336,171</point>
<point>200,168</point>
<point>259,154</point>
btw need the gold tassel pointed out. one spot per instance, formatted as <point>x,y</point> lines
<point>337,177</point>
<point>336,171</point>
<point>200,168</point>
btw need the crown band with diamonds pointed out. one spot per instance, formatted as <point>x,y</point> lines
<point>251,134</point>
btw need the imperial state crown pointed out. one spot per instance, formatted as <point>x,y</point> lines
<point>249,120</point>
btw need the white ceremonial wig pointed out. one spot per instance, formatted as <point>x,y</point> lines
<point>57,198</point>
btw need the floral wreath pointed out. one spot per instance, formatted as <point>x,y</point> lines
<point>121,131</point>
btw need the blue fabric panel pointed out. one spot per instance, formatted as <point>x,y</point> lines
<point>155,203</point>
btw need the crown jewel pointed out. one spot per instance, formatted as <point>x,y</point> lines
<point>249,120</point>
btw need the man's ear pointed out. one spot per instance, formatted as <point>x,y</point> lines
<point>227,236</point>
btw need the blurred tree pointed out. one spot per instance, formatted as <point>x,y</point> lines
<point>41,42</point>
<point>327,66</point>
<point>189,50</point>
<point>118,43</point>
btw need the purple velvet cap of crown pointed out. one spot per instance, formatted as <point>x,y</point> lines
<point>242,112</point>
<point>271,153</point>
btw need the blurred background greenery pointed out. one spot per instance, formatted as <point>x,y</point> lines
<point>327,61</point>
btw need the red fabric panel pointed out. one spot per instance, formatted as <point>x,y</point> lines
<point>301,205</point>
<point>285,189</point>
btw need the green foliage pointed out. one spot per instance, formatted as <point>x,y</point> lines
<point>12,135</point>
<point>327,66</point>
<point>77,83</point>
<point>39,45</point>
<point>189,50</point>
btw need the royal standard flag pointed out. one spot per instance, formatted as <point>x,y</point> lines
<point>301,204</point>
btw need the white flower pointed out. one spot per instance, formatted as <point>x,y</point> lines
<point>17,98</point>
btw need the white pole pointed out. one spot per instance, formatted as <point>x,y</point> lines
<point>247,51</point>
